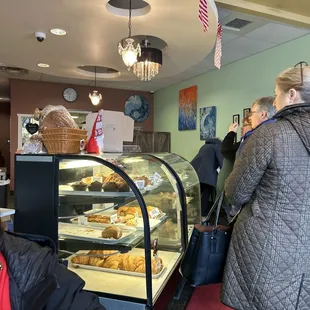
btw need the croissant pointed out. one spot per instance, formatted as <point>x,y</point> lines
<point>157,266</point>
<point>113,261</point>
<point>96,261</point>
<point>82,260</point>
<point>122,211</point>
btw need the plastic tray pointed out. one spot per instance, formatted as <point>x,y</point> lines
<point>140,225</point>
<point>116,271</point>
<point>88,233</point>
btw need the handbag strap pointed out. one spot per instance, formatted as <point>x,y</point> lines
<point>217,205</point>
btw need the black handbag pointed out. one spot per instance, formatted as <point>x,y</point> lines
<point>204,259</point>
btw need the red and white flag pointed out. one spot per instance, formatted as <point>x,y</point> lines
<point>218,46</point>
<point>203,14</point>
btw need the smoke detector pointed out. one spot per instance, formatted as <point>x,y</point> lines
<point>14,71</point>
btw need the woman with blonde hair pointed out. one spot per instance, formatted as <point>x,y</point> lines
<point>268,262</point>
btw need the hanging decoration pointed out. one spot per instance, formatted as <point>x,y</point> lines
<point>95,97</point>
<point>204,19</point>
<point>203,14</point>
<point>218,47</point>
<point>130,52</point>
<point>149,63</point>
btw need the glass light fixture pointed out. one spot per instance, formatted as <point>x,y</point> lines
<point>149,63</point>
<point>95,97</point>
<point>130,52</point>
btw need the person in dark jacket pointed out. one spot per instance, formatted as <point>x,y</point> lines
<point>206,164</point>
<point>37,280</point>
<point>229,150</point>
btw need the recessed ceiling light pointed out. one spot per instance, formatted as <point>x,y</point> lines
<point>74,116</point>
<point>41,65</point>
<point>58,32</point>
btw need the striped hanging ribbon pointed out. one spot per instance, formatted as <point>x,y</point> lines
<point>203,14</point>
<point>218,46</point>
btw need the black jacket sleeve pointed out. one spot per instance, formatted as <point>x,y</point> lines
<point>229,147</point>
<point>70,294</point>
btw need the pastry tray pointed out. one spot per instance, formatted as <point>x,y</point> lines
<point>140,225</point>
<point>88,233</point>
<point>117,271</point>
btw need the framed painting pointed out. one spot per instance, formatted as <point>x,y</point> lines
<point>188,108</point>
<point>236,119</point>
<point>246,112</point>
<point>207,123</point>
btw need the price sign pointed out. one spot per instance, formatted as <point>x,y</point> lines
<point>154,213</point>
<point>82,220</point>
<point>156,178</point>
<point>113,218</point>
<point>140,184</point>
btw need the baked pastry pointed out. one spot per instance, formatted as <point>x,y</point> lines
<point>114,232</point>
<point>123,187</point>
<point>132,222</point>
<point>113,261</point>
<point>95,186</point>
<point>87,180</point>
<point>124,210</point>
<point>110,187</point>
<point>79,186</point>
<point>124,262</point>
<point>82,260</point>
<point>96,218</point>
<point>146,180</point>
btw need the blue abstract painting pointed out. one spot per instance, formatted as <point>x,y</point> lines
<point>188,108</point>
<point>207,123</point>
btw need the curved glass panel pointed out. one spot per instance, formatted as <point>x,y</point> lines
<point>190,183</point>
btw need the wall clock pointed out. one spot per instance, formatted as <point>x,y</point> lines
<point>70,94</point>
<point>137,108</point>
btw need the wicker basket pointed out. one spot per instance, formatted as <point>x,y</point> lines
<point>64,131</point>
<point>68,136</point>
<point>62,146</point>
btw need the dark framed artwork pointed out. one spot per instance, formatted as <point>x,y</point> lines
<point>207,122</point>
<point>246,112</point>
<point>236,119</point>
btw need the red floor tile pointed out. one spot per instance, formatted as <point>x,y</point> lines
<point>207,297</point>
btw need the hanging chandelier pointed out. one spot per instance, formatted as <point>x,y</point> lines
<point>95,97</point>
<point>149,63</point>
<point>129,53</point>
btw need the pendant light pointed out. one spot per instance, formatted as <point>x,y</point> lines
<point>95,97</point>
<point>149,63</point>
<point>130,52</point>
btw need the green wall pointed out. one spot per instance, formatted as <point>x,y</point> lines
<point>230,89</point>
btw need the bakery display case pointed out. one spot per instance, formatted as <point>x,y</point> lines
<point>119,221</point>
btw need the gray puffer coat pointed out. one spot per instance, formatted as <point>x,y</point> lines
<point>268,262</point>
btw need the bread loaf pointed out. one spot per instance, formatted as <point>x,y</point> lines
<point>114,232</point>
<point>54,117</point>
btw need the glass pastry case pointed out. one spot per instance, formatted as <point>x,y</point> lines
<point>119,220</point>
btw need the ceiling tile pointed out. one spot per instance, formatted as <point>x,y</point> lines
<point>276,33</point>
<point>223,14</point>
<point>228,36</point>
<point>246,46</point>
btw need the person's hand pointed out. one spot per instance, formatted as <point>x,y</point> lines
<point>233,127</point>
